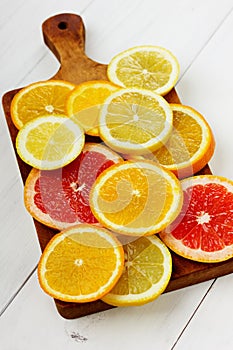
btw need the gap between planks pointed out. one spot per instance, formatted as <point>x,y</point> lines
<point>17,291</point>
<point>194,312</point>
<point>205,44</point>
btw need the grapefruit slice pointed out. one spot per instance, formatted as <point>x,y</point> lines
<point>204,229</point>
<point>60,198</point>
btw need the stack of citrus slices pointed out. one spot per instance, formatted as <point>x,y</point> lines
<point>110,200</point>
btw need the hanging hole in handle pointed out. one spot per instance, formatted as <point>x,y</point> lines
<point>62,25</point>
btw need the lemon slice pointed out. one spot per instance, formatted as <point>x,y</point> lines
<point>148,67</point>
<point>49,142</point>
<point>147,271</point>
<point>134,121</point>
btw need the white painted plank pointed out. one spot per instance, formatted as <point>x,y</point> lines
<point>31,321</point>
<point>182,26</point>
<point>8,12</point>
<point>21,38</point>
<point>211,326</point>
<point>207,86</point>
<point>111,27</point>
<point>19,249</point>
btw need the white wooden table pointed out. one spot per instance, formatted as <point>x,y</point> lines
<point>199,33</point>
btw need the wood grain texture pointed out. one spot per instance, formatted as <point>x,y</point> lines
<point>65,35</point>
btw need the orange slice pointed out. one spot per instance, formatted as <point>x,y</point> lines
<point>134,121</point>
<point>146,67</point>
<point>204,229</point>
<point>190,146</point>
<point>85,101</point>
<point>40,99</point>
<point>81,264</point>
<point>136,198</point>
<point>147,271</point>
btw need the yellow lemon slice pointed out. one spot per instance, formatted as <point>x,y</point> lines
<point>147,271</point>
<point>145,67</point>
<point>134,121</point>
<point>49,142</point>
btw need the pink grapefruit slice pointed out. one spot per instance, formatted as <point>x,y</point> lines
<point>60,198</point>
<point>203,231</point>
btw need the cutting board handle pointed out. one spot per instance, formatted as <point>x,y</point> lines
<point>61,32</point>
<point>64,34</point>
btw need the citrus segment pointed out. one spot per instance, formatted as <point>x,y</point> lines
<point>147,271</point>
<point>81,264</point>
<point>146,67</point>
<point>203,230</point>
<point>49,142</point>
<point>190,145</point>
<point>60,198</point>
<point>135,120</point>
<point>84,103</point>
<point>136,198</point>
<point>40,99</point>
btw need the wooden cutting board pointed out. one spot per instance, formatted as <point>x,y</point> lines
<point>64,34</point>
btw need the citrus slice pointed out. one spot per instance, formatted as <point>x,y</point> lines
<point>81,264</point>
<point>147,271</point>
<point>60,198</point>
<point>204,229</point>
<point>84,103</point>
<point>49,142</point>
<point>40,99</point>
<point>145,67</point>
<point>135,120</point>
<point>136,198</point>
<point>190,146</point>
